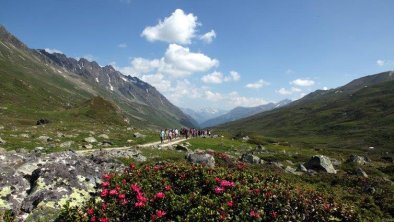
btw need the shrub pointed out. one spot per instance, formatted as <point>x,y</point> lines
<point>184,192</point>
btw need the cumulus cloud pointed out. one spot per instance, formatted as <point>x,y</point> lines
<point>295,89</point>
<point>157,80</point>
<point>234,99</point>
<point>303,82</point>
<point>218,77</point>
<point>51,51</point>
<point>178,28</point>
<point>380,62</point>
<point>122,45</point>
<point>292,90</point>
<point>209,36</point>
<point>325,88</point>
<point>284,91</point>
<point>177,62</point>
<point>234,76</point>
<point>214,78</point>
<point>257,85</point>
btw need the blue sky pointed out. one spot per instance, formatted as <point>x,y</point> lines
<point>221,53</point>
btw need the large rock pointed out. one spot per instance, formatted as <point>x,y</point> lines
<point>90,140</point>
<point>360,160</point>
<point>201,158</point>
<point>252,159</point>
<point>31,183</point>
<point>320,163</point>
<point>139,135</point>
<point>182,147</point>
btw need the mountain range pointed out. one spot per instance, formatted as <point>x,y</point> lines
<point>36,83</point>
<point>203,114</point>
<point>242,112</point>
<point>359,114</point>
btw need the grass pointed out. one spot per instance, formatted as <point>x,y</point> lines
<point>223,144</point>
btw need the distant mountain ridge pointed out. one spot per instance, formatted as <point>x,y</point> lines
<point>242,112</point>
<point>203,114</point>
<point>358,114</point>
<point>79,80</point>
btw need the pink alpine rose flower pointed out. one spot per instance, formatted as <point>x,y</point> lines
<point>104,193</point>
<point>219,190</point>
<point>160,195</point>
<point>160,213</point>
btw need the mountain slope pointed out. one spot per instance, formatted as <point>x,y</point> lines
<point>242,112</point>
<point>35,81</point>
<point>359,114</point>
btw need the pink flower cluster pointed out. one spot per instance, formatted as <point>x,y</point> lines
<point>141,199</point>
<point>223,184</point>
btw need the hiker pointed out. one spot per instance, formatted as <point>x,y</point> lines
<point>176,133</point>
<point>162,134</point>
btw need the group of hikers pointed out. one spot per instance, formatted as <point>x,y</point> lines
<point>170,134</point>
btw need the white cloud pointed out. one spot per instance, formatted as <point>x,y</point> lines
<point>284,91</point>
<point>89,57</point>
<point>177,62</point>
<point>380,62</point>
<point>51,51</point>
<point>209,36</point>
<point>214,78</point>
<point>234,99</point>
<point>177,28</point>
<point>122,45</point>
<point>158,81</point>
<point>218,77</point>
<point>325,88</point>
<point>234,76</point>
<point>302,82</point>
<point>213,96</point>
<point>257,85</point>
<point>295,89</point>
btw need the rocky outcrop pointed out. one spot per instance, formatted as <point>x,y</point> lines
<point>201,158</point>
<point>252,159</point>
<point>182,147</point>
<point>31,183</point>
<point>139,135</point>
<point>360,160</point>
<point>320,163</point>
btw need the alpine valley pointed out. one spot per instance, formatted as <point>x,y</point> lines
<point>84,142</point>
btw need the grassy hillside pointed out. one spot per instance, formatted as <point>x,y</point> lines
<point>349,116</point>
